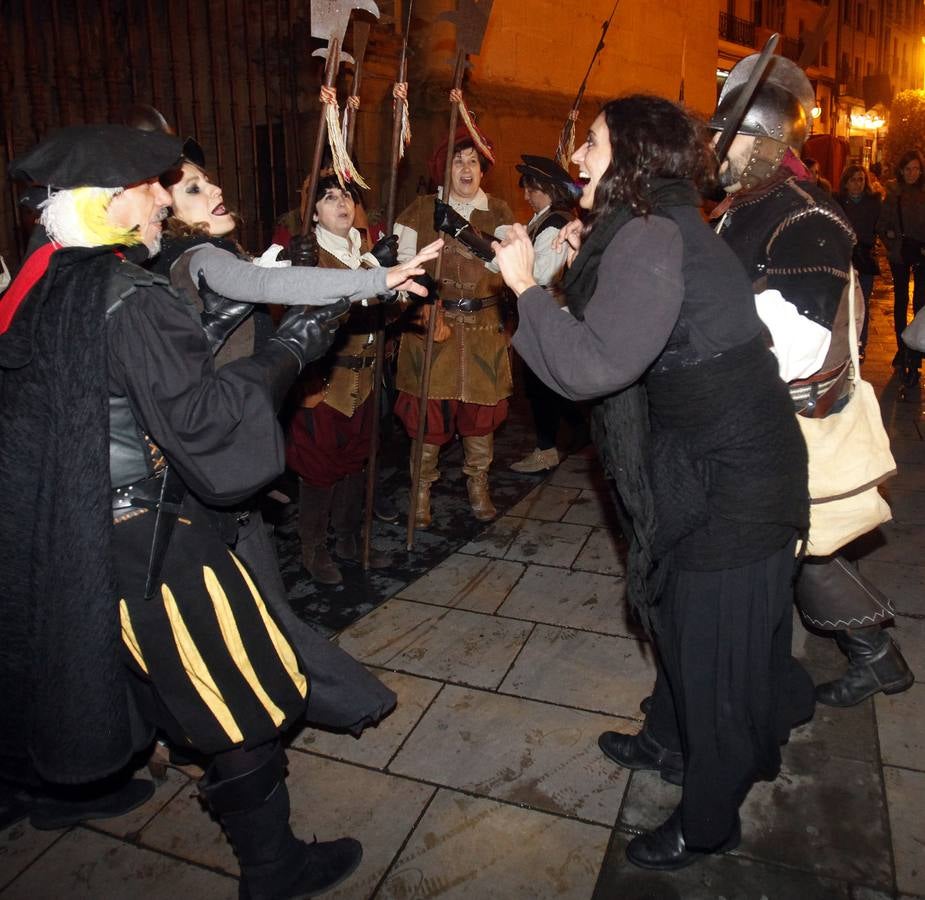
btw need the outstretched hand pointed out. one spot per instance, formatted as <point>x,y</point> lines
<point>514,256</point>
<point>399,278</point>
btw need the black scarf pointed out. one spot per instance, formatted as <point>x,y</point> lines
<point>620,422</point>
<point>581,279</point>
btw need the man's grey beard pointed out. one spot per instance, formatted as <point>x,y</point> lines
<point>154,245</point>
<point>730,176</point>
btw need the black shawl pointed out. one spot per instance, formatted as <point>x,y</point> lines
<point>65,712</point>
<point>620,422</point>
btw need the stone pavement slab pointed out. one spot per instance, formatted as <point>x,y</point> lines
<point>903,583</point>
<point>911,476</point>
<point>466,582</point>
<point>593,508</point>
<point>450,644</point>
<point>580,470</point>
<point>849,733</point>
<point>901,725</point>
<point>548,543</point>
<point>907,506</point>
<point>601,673</point>
<point>603,552</point>
<point>828,818</point>
<point>548,502</point>
<point>583,600</point>
<point>537,755</point>
<point>328,799</point>
<point>20,846</point>
<point>532,541</point>
<point>376,746</point>
<point>495,540</point>
<point>91,865</point>
<point>906,794</point>
<point>467,847</point>
<point>909,633</point>
<point>726,877</point>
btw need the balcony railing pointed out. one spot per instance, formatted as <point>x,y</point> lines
<point>739,31</point>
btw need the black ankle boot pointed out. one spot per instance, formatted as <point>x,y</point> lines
<point>253,808</point>
<point>642,751</point>
<point>874,664</point>
<point>664,848</point>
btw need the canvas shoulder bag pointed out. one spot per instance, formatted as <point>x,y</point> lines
<point>849,455</point>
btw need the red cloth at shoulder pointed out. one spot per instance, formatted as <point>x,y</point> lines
<point>33,269</point>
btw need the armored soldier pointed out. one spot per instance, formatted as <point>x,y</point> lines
<point>796,245</point>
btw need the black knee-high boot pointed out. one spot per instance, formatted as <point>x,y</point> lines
<point>875,664</point>
<point>247,792</point>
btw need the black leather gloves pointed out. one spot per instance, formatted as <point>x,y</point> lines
<point>428,282</point>
<point>308,332</point>
<point>386,251</point>
<point>303,249</point>
<point>220,316</point>
<point>450,222</point>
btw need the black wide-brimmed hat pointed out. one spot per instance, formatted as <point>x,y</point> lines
<point>97,156</point>
<point>541,168</point>
<point>544,170</point>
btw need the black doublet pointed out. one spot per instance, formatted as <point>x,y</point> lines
<point>793,237</point>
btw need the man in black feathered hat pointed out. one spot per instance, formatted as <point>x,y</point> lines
<point>123,610</point>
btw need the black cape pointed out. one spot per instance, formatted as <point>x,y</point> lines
<point>65,711</point>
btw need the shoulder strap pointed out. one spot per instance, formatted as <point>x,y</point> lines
<point>126,280</point>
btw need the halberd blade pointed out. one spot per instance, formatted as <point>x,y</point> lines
<point>330,18</point>
<point>471,20</point>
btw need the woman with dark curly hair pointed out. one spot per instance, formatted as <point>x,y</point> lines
<point>697,431</point>
<point>902,229</point>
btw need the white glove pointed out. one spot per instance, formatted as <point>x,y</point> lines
<point>268,260</point>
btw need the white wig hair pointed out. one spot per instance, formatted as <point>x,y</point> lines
<point>78,218</point>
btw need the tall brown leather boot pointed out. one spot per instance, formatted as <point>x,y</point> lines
<point>429,474</point>
<point>314,510</point>
<point>347,518</point>
<point>478,452</point>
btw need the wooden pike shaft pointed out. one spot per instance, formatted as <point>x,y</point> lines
<point>360,39</point>
<point>330,75</point>
<point>418,449</point>
<point>373,462</point>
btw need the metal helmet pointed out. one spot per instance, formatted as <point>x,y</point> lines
<point>781,107</point>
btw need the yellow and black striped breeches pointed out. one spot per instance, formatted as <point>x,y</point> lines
<point>206,643</point>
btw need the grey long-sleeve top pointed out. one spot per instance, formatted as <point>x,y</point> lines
<point>640,288</point>
<point>239,279</point>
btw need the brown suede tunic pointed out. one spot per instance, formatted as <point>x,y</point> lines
<point>344,387</point>
<point>473,365</point>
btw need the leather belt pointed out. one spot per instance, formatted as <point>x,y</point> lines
<point>814,397</point>
<point>147,491</point>
<point>355,363</point>
<point>470,305</point>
